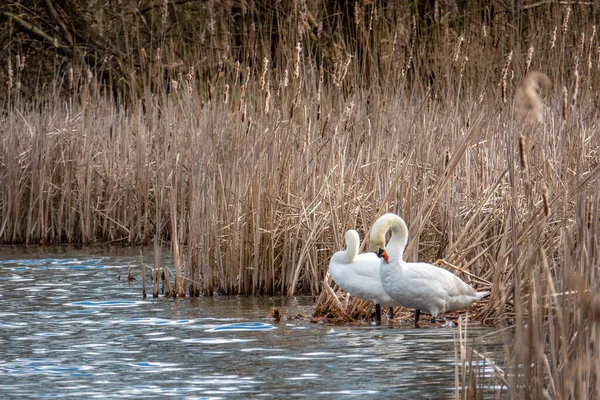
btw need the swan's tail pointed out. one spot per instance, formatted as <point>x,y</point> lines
<point>482,295</point>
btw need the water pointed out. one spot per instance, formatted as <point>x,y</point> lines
<point>70,329</point>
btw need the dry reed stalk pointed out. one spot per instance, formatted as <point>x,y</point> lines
<point>143,275</point>
<point>130,277</point>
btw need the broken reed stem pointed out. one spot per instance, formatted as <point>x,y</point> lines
<point>156,269</point>
<point>143,267</point>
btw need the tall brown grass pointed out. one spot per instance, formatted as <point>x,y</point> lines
<point>255,169</point>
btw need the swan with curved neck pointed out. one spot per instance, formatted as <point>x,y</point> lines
<point>416,285</point>
<point>358,274</point>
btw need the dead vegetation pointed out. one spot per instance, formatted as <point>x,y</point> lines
<point>250,152</point>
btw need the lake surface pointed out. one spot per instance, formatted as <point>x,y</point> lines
<point>70,329</point>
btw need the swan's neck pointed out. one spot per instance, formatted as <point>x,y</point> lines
<point>347,256</point>
<point>352,245</point>
<point>397,244</point>
<point>395,250</point>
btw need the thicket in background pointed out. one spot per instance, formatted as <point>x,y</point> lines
<point>256,134</point>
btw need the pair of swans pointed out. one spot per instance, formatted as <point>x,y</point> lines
<point>417,285</point>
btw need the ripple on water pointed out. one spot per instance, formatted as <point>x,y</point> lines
<point>83,312</point>
<point>296,358</point>
<point>242,326</point>
<point>156,367</point>
<point>49,261</point>
<point>217,340</point>
<point>43,366</point>
<point>139,390</point>
<point>163,339</point>
<point>222,380</point>
<point>304,377</point>
<point>155,321</point>
<point>352,392</point>
<point>260,349</point>
<point>107,303</point>
<point>10,324</point>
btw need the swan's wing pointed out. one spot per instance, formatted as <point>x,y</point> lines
<point>437,279</point>
<point>361,279</point>
<point>365,265</point>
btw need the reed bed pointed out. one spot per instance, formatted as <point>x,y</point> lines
<point>250,162</point>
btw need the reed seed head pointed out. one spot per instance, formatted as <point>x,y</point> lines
<point>504,76</point>
<point>308,135</point>
<point>461,39</point>
<point>165,13</point>
<point>263,77</point>
<point>528,101</point>
<point>553,38</point>
<point>546,202</point>
<point>249,126</point>
<point>10,74</point>
<point>286,79</point>
<point>297,66</point>
<point>267,99</point>
<point>462,68</point>
<point>565,25</point>
<point>373,17</point>
<point>575,88</point>
<point>20,63</point>
<point>522,153</point>
<point>529,59</point>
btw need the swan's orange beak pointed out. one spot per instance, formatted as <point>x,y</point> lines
<point>382,254</point>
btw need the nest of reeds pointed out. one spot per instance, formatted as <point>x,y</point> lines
<point>334,305</point>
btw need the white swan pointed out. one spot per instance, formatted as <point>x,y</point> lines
<point>417,285</point>
<point>358,274</point>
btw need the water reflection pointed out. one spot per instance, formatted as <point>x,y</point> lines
<point>68,327</point>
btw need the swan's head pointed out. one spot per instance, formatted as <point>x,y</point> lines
<point>380,228</point>
<point>382,254</point>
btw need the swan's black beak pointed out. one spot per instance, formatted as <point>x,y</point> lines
<point>382,254</point>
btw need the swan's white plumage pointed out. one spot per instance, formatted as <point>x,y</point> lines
<point>358,274</point>
<point>417,285</point>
